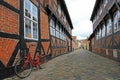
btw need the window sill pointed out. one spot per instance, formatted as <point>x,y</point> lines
<point>30,39</point>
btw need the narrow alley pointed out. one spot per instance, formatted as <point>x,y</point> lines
<point>78,65</point>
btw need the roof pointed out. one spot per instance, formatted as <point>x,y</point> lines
<point>90,37</point>
<point>95,9</point>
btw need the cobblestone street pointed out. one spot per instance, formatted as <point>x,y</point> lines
<point>78,65</point>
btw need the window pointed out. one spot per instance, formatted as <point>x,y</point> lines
<point>52,27</point>
<point>105,2</point>
<point>97,37</point>
<point>57,30</point>
<point>57,26</point>
<point>100,7</point>
<point>64,18</point>
<point>30,20</point>
<point>103,30</point>
<point>59,9</point>
<point>100,10</point>
<point>116,16</point>
<point>109,26</point>
<point>99,34</point>
<point>64,36</point>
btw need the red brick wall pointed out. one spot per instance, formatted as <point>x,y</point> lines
<point>7,47</point>
<point>9,21</point>
<point>44,26</point>
<point>13,3</point>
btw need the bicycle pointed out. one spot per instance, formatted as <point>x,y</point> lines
<point>23,66</point>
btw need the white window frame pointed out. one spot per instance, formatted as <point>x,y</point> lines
<point>32,21</point>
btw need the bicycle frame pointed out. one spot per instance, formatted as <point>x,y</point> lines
<point>33,62</point>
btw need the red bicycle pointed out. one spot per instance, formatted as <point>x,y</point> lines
<point>23,66</point>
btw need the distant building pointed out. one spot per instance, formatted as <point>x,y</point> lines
<point>74,43</point>
<point>105,39</point>
<point>79,44</point>
<point>84,44</point>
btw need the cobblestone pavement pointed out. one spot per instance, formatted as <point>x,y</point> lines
<point>78,65</point>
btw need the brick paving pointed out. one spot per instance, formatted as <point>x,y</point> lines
<point>78,65</point>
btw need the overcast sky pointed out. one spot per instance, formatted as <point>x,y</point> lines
<point>80,12</point>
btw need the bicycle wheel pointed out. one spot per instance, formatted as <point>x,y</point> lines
<point>23,68</point>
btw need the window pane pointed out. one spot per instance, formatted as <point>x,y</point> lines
<point>118,20</point>
<point>27,8</point>
<point>59,9</point>
<point>51,22</point>
<point>115,21</point>
<point>35,31</point>
<point>105,2</point>
<point>60,29</point>
<point>61,36</point>
<point>99,33</point>
<point>58,35</point>
<point>28,28</point>
<point>103,31</point>
<point>53,32</point>
<point>57,26</point>
<point>109,26</point>
<point>34,12</point>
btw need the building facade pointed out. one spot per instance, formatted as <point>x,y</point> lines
<point>84,44</point>
<point>74,43</point>
<point>105,39</point>
<point>44,24</point>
